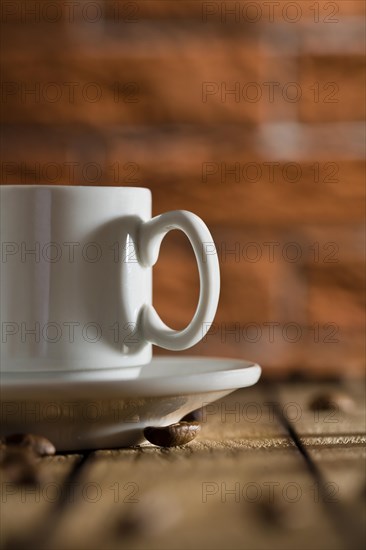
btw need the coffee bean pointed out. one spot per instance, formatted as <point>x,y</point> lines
<point>131,525</point>
<point>194,416</point>
<point>331,401</point>
<point>37,443</point>
<point>270,513</point>
<point>173,435</point>
<point>20,465</point>
<point>2,451</point>
<point>282,515</point>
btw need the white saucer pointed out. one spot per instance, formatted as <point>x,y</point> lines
<point>104,409</point>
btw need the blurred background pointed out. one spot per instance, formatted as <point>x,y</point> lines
<point>248,113</point>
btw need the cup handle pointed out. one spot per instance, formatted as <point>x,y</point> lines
<point>151,235</point>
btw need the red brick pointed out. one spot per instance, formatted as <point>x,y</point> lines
<point>120,89</point>
<point>327,141</point>
<point>171,164</point>
<point>336,294</point>
<point>333,88</point>
<point>231,13</point>
<point>345,37</point>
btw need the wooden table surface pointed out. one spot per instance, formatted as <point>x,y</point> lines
<point>269,470</point>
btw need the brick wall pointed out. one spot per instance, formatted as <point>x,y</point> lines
<point>249,114</point>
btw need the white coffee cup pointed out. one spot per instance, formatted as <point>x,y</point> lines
<point>76,278</point>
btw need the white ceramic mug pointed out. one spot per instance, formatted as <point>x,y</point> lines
<point>76,278</point>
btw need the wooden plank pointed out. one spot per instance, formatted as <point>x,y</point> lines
<point>241,484</point>
<point>326,409</point>
<point>29,505</point>
<point>166,500</point>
